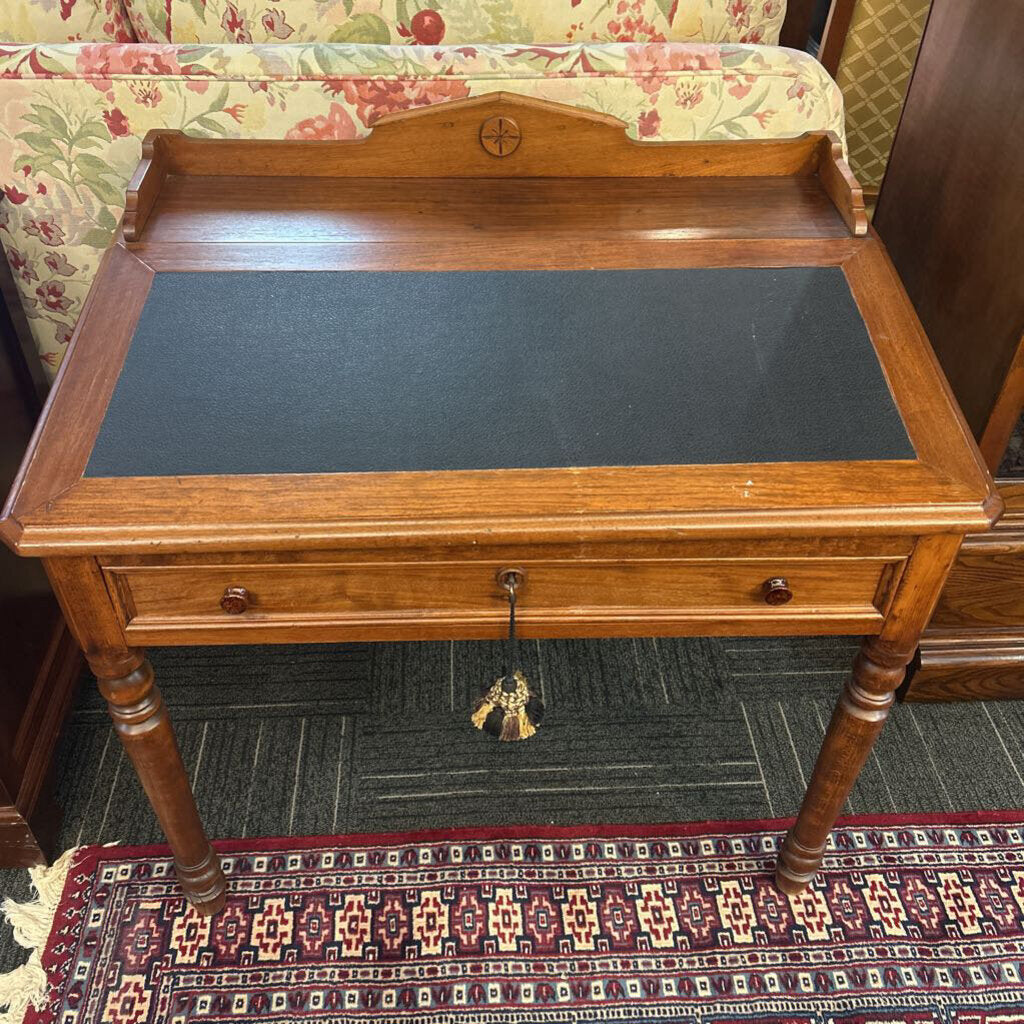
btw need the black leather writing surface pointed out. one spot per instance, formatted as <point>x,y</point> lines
<point>326,372</point>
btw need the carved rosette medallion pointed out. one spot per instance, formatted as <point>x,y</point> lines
<point>500,136</point>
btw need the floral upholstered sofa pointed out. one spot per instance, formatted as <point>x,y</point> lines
<point>82,81</point>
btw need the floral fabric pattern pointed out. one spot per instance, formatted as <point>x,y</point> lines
<point>64,21</point>
<point>74,117</point>
<point>452,22</point>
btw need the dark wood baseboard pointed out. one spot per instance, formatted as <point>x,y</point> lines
<point>28,841</point>
<point>29,818</point>
<point>983,668</point>
<point>973,648</point>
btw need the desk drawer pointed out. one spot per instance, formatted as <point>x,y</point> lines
<point>463,599</point>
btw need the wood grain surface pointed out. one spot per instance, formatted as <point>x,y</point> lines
<point>951,215</point>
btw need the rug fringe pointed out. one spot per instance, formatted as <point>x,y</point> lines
<point>25,986</point>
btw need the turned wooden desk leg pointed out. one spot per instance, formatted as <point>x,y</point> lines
<point>863,707</point>
<point>856,722</point>
<point>141,721</point>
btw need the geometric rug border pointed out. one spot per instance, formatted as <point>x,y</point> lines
<point>62,942</point>
<point>674,830</point>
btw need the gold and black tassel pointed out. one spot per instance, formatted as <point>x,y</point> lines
<point>510,710</point>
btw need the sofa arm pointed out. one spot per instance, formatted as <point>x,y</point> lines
<point>72,119</point>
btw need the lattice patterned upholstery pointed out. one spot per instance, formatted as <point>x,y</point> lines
<point>874,74</point>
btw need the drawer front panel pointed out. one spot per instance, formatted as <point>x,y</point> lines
<point>464,593</point>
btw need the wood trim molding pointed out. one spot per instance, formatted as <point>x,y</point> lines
<point>145,183</point>
<point>842,186</point>
<point>976,650</point>
<point>833,39</point>
<point>981,667</point>
<point>117,312</point>
<point>419,144</point>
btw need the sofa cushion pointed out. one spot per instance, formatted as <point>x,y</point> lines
<point>433,22</point>
<point>150,19</point>
<point>73,118</point>
<point>61,21</point>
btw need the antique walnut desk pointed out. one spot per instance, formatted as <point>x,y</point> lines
<point>329,391</point>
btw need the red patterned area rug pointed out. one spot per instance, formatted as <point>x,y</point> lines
<point>912,920</point>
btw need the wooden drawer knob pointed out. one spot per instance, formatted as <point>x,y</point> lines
<point>776,590</point>
<point>235,600</point>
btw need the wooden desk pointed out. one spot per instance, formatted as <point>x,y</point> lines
<point>132,490</point>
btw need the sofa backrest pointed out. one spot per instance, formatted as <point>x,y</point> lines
<point>432,22</point>
<point>62,21</point>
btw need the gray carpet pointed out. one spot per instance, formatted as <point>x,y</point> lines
<point>1013,460</point>
<point>1012,465</point>
<point>358,738</point>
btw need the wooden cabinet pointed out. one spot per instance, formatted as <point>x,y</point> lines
<point>39,662</point>
<point>951,215</point>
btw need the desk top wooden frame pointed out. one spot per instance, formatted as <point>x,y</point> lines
<point>426,191</point>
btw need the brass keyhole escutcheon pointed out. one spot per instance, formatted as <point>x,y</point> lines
<point>500,136</point>
<point>510,578</point>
